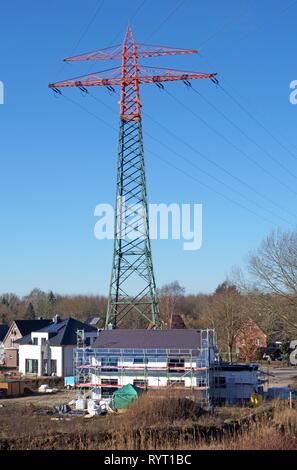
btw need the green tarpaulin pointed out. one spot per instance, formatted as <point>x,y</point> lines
<point>124,396</point>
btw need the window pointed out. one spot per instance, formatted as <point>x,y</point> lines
<point>140,383</point>
<point>220,382</point>
<point>87,341</point>
<point>43,341</point>
<point>106,390</point>
<point>53,366</point>
<point>201,382</point>
<point>140,360</point>
<point>35,341</point>
<point>31,366</point>
<point>257,341</point>
<point>109,364</point>
<point>176,365</point>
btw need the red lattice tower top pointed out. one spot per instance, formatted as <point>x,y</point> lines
<point>130,74</point>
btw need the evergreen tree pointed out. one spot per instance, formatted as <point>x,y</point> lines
<point>4,300</point>
<point>51,299</point>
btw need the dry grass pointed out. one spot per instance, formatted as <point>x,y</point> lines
<point>260,436</point>
<point>163,407</point>
<point>163,420</point>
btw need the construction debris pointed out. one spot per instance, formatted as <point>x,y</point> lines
<point>44,388</point>
<point>61,409</point>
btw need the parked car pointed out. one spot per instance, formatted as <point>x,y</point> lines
<point>272,353</point>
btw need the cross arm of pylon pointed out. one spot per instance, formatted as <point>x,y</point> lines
<point>160,74</point>
<point>143,51</point>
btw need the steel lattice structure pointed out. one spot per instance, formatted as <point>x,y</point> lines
<point>132,259</point>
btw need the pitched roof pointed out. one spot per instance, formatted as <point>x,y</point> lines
<point>178,322</point>
<point>27,326</point>
<point>62,333</point>
<point>148,339</point>
<point>3,330</point>
<point>249,323</point>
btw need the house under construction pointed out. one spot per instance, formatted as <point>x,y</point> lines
<point>148,359</point>
<point>156,359</point>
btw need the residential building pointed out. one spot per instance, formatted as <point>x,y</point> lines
<point>149,359</point>
<point>248,340</point>
<point>177,322</point>
<point>18,329</point>
<point>3,331</point>
<point>49,350</point>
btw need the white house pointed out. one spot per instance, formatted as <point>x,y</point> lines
<point>49,351</point>
<point>149,359</point>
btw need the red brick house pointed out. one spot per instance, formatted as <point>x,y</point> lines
<point>248,340</point>
<point>178,322</point>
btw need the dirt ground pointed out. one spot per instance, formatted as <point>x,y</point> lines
<point>41,399</point>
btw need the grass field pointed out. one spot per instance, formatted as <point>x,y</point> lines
<point>167,421</point>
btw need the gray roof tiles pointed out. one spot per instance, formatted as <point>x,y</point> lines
<point>26,326</point>
<point>148,339</point>
<point>62,333</point>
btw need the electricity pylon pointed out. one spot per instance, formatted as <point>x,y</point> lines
<point>132,286</point>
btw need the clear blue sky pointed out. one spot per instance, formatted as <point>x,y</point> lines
<point>58,162</point>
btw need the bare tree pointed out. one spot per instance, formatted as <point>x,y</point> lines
<point>274,266</point>
<point>227,315</point>
<point>170,295</point>
<point>274,263</point>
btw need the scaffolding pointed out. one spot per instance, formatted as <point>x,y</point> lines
<point>100,371</point>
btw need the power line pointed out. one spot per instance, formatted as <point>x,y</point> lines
<point>222,27</point>
<point>213,190</point>
<point>208,159</point>
<point>217,165</point>
<point>252,116</point>
<point>241,106</point>
<point>122,30</point>
<point>215,178</point>
<point>171,13</point>
<point>132,17</point>
<point>85,30</point>
<point>89,112</point>
<point>238,149</point>
<point>241,130</point>
<point>265,23</point>
<point>204,171</point>
<point>184,172</point>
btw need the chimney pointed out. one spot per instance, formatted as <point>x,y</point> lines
<point>56,319</point>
